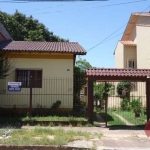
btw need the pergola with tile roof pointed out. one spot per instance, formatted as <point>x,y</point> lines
<point>100,74</point>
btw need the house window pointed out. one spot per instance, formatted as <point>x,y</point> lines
<point>131,64</point>
<point>29,78</point>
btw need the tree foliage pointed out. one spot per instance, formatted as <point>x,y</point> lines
<point>83,64</point>
<point>123,90</point>
<point>5,64</point>
<point>100,90</point>
<point>124,86</point>
<point>79,80</point>
<point>22,28</point>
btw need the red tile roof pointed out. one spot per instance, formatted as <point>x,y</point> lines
<point>130,43</point>
<point>100,72</point>
<point>33,46</point>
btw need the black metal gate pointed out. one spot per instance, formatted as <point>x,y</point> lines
<point>120,103</point>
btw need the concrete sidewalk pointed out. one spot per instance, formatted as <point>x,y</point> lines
<point>112,139</point>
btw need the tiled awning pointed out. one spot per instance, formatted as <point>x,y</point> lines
<point>118,73</point>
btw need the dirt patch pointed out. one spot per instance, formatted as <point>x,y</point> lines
<point>37,138</point>
<point>51,137</point>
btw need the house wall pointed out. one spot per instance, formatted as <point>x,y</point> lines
<point>143,47</point>
<point>57,81</point>
<point>140,35</point>
<point>119,60</point>
<point>133,35</point>
<point>129,53</point>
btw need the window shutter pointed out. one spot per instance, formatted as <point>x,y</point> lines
<point>129,64</point>
<point>135,64</point>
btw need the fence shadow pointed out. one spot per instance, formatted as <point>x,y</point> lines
<point>10,122</point>
<point>124,127</point>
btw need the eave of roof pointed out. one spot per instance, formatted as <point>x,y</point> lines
<point>128,43</point>
<point>34,46</point>
<point>131,24</point>
<point>101,72</point>
<point>144,25</point>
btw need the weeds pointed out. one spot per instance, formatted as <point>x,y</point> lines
<point>40,136</point>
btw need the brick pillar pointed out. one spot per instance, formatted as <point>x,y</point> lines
<point>90,101</point>
<point>148,98</point>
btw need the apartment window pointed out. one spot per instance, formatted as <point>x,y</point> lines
<point>29,78</point>
<point>131,64</point>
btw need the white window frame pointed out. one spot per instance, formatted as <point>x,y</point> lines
<point>131,64</point>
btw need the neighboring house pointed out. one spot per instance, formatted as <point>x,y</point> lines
<point>4,35</point>
<point>48,66</point>
<point>133,50</point>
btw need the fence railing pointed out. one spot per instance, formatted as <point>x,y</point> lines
<point>53,94</point>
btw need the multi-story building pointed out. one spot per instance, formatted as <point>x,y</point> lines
<point>133,50</point>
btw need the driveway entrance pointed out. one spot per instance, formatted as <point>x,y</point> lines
<point>125,104</point>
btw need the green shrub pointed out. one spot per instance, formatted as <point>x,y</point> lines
<point>136,105</point>
<point>124,86</point>
<point>125,104</point>
<point>56,104</point>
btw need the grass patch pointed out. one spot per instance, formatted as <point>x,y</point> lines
<point>16,122</point>
<point>130,117</point>
<point>54,118</point>
<point>112,119</point>
<point>40,136</point>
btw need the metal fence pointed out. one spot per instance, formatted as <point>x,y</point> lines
<point>53,94</point>
<point>121,103</point>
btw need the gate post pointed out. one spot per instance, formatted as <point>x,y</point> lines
<point>30,95</point>
<point>148,98</point>
<point>90,101</point>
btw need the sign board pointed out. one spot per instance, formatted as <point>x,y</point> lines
<point>14,86</point>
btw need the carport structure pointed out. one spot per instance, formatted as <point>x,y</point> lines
<point>100,74</point>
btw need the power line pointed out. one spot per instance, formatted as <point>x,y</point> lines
<point>50,7</point>
<point>12,1</point>
<point>43,8</point>
<point>79,9</point>
<point>107,38</point>
<point>24,1</point>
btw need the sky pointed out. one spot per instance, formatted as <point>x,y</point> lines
<point>95,25</point>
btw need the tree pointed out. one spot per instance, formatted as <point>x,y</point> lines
<point>83,64</point>
<point>79,79</point>
<point>123,90</point>
<point>99,93</point>
<point>22,28</point>
<point>5,64</point>
<point>79,75</point>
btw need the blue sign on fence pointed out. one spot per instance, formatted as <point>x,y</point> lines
<point>14,86</point>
